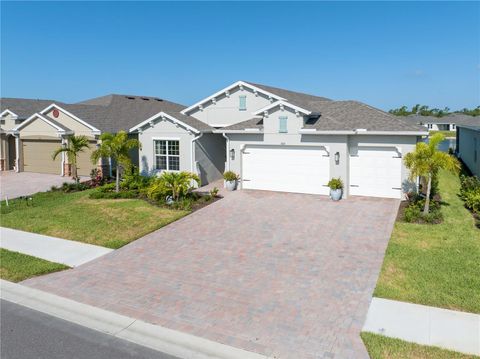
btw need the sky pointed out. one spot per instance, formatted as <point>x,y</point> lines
<point>386,54</point>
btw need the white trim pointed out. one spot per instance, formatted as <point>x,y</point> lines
<point>163,115</point>
<point>44,111</point>
<point>7,111</point>
<point>252,130</point>
<point>193,152</point>
<point>284,104</point>
<point>400,133</point>
<point>312,131</point>
<point>227,89</point>
<point>43,118</point>
<point>236,131</point>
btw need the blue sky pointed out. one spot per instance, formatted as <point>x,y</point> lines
<point>383,53</point>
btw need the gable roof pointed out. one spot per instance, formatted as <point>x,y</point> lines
<point>24,107</point>
<point>56,125</point>
<point>455,118</point>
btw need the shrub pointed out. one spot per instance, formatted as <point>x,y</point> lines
<point>96,178</point>
<point>230,176</point>
<point>470,192</point>
<point>472,201</point>
<point>73,187</point>
<point>414,211</point>
<point>214,192</point>
<point>177,185</point>
<point>412,214</point>
<point>135,181</point>
<point>335,183</point>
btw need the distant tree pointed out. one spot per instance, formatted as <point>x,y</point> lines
<point>421,110</point>
<point>473,112</point>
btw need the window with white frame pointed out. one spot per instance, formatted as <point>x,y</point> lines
<point>167,155</point>
<point>242,103</point>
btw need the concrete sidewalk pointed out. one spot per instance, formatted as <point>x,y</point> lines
<point>53,249</point>
<point>165,340</point>
<point>458,331</point>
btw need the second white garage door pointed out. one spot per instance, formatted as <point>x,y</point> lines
<point>376,172</point>
<point>286,169</point>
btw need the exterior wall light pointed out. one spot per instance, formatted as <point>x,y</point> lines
<point>232,154</point>
<point>337,158</point>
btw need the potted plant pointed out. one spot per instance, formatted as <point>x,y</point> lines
<point>231,179</point>
<point>336,186</point>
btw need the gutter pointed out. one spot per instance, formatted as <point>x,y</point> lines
<point>363,132</point>
<point>228,151</point>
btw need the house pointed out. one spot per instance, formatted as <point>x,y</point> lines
<point>468,147</point>
<point>445,123</point>
<point>33,129</point>
<point>282,140</point>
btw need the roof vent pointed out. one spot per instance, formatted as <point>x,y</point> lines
<point>159,99</point>
<point>145,99</point>
<point>130,97</point>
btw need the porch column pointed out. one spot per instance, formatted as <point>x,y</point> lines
<point>18,155</point>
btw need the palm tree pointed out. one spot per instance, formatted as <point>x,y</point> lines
<point>178,183</point>
<point>426,160</point>
<point>74,146</point>
<point>116,147</point>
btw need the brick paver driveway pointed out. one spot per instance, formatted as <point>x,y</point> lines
<point>13,184</point>
<point>286,275</point>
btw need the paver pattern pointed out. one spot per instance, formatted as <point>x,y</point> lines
<point>13,184</point>
<point>285,275</point>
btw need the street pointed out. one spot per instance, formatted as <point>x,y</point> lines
<point>28,334</point>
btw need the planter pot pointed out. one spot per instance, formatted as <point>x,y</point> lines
<point>336,194</point>
<point>230,185</point>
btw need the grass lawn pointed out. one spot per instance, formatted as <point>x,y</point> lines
<point>16,267</point>
<point>446,133</point>
<point>104,222</point>
<point>437,265</point>
<point>380,347</point>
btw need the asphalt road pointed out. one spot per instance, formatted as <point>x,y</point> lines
<point>28,334</point>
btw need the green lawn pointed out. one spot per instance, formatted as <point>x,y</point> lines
<point>437,265</point>
<point>380,347</point>
<point>16,267</point>
<point>104,222</point>
<point>446,133</point>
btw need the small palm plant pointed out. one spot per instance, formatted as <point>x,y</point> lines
<point>74,146</point>
<point>179,183</point>
<point>117,148</point>
<point>426,160</point>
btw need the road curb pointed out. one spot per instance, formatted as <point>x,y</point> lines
<point>159,338</point>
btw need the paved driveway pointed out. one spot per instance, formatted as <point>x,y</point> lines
<point>286,275</point>
<point>15,184</point>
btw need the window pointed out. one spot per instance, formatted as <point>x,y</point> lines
<point>242,103</point>
<point>282,124</point>
<point>167,155</point>
<point>2,122</point>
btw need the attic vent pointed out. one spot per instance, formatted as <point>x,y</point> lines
<point>145,99</point>
<point>159,99</point>
<point>130,97</point>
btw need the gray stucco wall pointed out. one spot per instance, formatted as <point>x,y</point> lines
<point>225,111</point>
<point>209,150</point>
<point>164,130</point>
<point>468,148</point>
<point>343,144</point>
<point>210,157</point>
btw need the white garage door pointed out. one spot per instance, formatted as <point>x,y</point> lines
<point>376,172</point>
<point>286,169</point>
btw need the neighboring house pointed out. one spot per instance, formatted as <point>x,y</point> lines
<point>445,123</point>
<point>468,147</point>
<point>33,129</point>
<point>289,141</point>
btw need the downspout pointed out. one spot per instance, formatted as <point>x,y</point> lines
<point>227,151</point>
<point>192,146</point>
<point>17,150</point>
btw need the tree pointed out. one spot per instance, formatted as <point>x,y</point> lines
<point>117,148</point>
<point>178,183</point>
<point>74,146</point>
<point>426,160</point>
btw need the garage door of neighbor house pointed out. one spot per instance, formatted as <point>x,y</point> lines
<point>286,169</point>
<point>84,163</point>
<point>37,156</point>
<point>376,172</point>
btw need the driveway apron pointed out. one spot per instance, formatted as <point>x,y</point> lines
<point>281,274</point>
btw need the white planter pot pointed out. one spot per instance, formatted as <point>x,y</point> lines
<point>231,185</point>
<point>335,194</point>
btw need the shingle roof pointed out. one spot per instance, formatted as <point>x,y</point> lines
<point>338,115</point>
<point>110,113</point>
<point>252,123</point>
<point>24,107</point>
<point>455,118</point>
